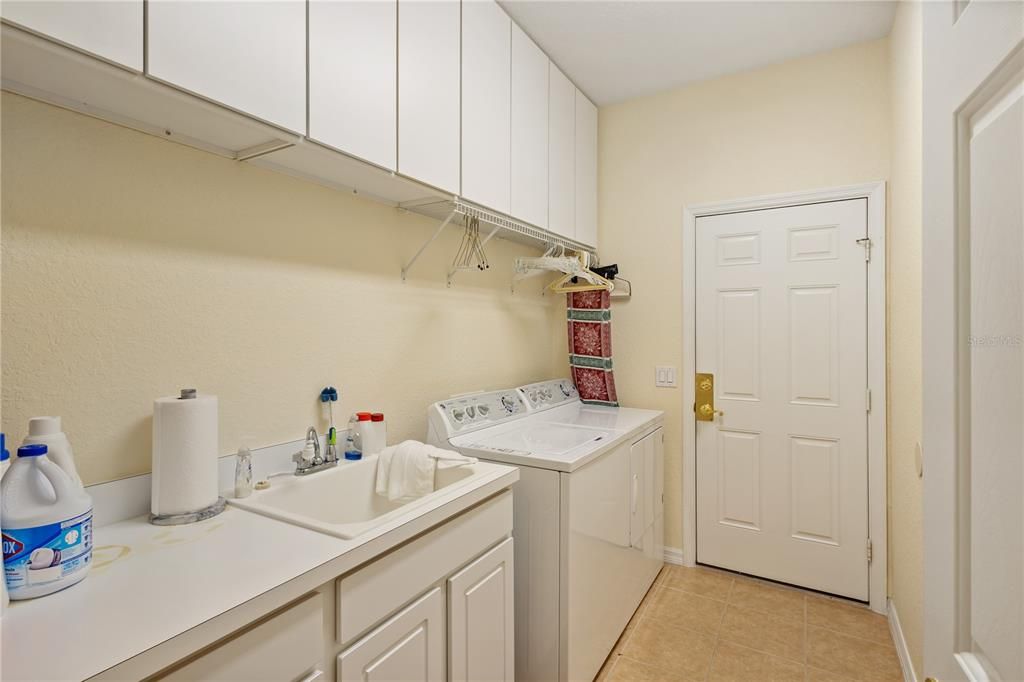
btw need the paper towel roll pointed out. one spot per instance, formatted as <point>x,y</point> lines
<point>184,454</point>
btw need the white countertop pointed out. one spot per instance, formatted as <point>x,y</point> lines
<point>192,584</point>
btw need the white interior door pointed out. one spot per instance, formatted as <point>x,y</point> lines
<point>973,327</point>
<point>782,475</point>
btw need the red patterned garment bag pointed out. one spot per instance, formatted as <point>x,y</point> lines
<point>590,346</point>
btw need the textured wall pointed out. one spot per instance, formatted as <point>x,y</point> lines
<point>133,266</point>
<point>810,123</point>
<point>906,562</point>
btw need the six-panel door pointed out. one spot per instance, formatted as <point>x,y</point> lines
<point>782,488</point>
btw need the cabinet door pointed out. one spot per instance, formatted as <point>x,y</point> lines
<point>639,497</point>
<point>481,634</point>
<point>408,647</point>
<point>486,102</point>
<point>561,153</point>
<point>353,78</point>
<point>287,646</point>
<point>529,130</point>
<point>586,170</point>
<point>428,92</point>
<point>110,30</point>
<point>250,56</point>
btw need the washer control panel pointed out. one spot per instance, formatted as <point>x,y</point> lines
<point>482,409</point>
<point>545,394</point>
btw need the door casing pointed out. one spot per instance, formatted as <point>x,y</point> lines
<point>877,472</point>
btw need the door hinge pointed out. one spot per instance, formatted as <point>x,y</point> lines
<point>870,551</point>
<point>867,402</point>
<point>866,243</point>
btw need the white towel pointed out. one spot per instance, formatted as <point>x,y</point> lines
<point>406,471</point>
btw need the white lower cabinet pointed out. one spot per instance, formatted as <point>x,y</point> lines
<point>480,618</point>
<point>408,647</point>
<point>286,647</point>
<point>437,608</point>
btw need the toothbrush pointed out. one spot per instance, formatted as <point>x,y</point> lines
<point>329,395</point>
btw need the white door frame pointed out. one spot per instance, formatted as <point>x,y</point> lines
<point>877,474</point>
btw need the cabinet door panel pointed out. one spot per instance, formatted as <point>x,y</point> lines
<point>586,170</point>
<point>409,647</point>
<point>353,78</point>
<point>529,130</point>
<point>486,103</point>
<point>111,30</point>
<point>250,56</point>
<point>561,154</point>
<point>428,92</point>
<point>481,623</point>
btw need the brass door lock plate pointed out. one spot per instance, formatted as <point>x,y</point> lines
<point>704,397</point>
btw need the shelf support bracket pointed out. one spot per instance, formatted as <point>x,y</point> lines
<point>433,238</point>
<point>451,273</point>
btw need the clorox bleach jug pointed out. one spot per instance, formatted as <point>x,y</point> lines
<point>47,526</point>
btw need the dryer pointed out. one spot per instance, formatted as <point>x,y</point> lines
<point>589,518</point>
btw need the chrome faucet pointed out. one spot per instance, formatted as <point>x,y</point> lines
<point>305,465</point>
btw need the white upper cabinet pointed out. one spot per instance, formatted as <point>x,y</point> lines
<point>586,170</point>
<point>428,92</point>
<point>353,78</point>
<point>486,104</point>
<point>561,154</point>
<point>529,130</point>
<point>111,30</point>
<point>250,56</point>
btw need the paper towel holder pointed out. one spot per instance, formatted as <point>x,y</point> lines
<point>191,516</point>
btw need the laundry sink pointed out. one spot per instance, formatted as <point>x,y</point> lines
<point>343,502</point>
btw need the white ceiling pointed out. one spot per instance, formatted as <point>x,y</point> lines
<point>617,50</point>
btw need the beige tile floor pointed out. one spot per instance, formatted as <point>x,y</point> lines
<point>710,625</point>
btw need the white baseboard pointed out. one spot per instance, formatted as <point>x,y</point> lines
<point>901,644</point>
<point>673,556</point>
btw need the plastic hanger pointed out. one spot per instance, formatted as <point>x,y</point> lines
<point>595,282</point>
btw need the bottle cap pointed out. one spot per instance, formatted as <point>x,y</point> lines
<point>353,455</point>
<point>377,417</point>
<point>43,426</point>
<point>33,450</point>
<point>364,416</point>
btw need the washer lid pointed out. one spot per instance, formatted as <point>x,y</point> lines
<point>542,439</point>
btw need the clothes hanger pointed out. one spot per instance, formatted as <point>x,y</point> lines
<point>596,282</point>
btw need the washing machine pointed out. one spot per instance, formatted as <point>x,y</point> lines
<point>588,512</point>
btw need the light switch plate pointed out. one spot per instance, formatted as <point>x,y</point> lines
<point>665,376</point>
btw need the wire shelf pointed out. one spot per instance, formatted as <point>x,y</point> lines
<point>446,210</point>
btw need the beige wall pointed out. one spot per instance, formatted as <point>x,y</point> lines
<point>815,122</point>
<point>906,562</point>
<point>810,123</point>
<point>133,266</point>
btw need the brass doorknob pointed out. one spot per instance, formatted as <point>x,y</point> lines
<point>707,411</point>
